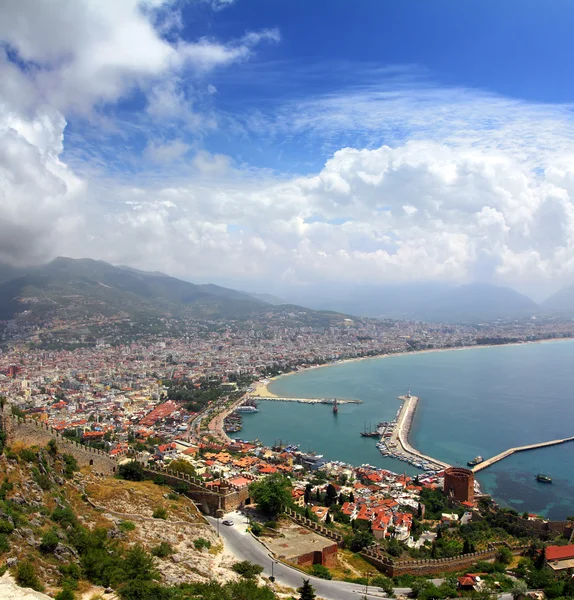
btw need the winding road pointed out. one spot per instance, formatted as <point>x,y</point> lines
<point>244,546</point>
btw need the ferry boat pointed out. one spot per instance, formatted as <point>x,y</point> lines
<point>247,409</point>
<point>475,461</point>
<point>543,478</point>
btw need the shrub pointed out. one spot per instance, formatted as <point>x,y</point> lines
<point>270,524</point>
<point>132,471</point>
<point>163,550</point>
<point>49,542</point>
<point>65,594</point>
<point>247,569</point>
<point>64,516</point>
<point>71,465</point>
<point>6,526</point>
<point>27,455</point>
<point>4,543</point>
<point>71,572</point>
<point>172,496</point>
<point>256,529</point>
<point>160,513</point>
<point>127,526</point>
<point>26,576</point>
<point>201,543</point>
<point>322,572</point>
<point>52,447</point>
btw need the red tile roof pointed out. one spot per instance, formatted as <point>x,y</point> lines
<point>559,552</point>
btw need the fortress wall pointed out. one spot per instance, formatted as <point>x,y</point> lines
<point>32,433</point>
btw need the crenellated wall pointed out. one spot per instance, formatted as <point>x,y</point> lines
<point>31,432</point>
<point>394,568</point>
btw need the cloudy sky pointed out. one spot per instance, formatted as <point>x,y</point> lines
<point>244,141</point>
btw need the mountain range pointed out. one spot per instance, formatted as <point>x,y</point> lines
<point>86,286</point>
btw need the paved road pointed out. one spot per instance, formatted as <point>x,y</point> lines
<point>242,545</point>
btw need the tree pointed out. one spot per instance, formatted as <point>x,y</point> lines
<point>272,493</point>
<point>468,547</point>
<point>306,591</point>
<point>328,518</point>
<point>352,498</point>
<point>518,588</point>
<point>132,471</point>
<point>307,496</point>
<point>52,447</point>
<point>181,466</point>
<point>331,495</point>
<point>504,555</point>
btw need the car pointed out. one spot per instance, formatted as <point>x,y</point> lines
<point>228,522</point>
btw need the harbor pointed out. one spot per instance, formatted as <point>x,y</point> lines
<point>394,438</point>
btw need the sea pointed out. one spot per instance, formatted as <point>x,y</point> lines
<point>473,401</point>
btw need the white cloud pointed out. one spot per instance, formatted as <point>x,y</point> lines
<point>167,152</point>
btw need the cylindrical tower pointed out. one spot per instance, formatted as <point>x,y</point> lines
<point>459,484</point>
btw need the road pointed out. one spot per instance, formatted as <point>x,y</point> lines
<point>245,547</point>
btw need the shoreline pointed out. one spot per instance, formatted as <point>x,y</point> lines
<point>262,387</point>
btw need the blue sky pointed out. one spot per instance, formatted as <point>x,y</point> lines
<point>307,141</point>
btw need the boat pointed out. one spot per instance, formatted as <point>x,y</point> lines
<point>543,478</point>
<point>475,461</point>
<point>247,409</point>
<point>335,407</point>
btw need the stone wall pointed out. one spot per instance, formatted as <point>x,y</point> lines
<point>313,526</point>
<point>394,568</point>
<point>31,432</point>
<point>209,499</point>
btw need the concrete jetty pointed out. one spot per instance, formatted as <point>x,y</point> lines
<point>400,435</point>
<point>308,400</point>
<point>489,462</point>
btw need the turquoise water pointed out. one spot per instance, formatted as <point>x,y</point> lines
<point>476,401</point>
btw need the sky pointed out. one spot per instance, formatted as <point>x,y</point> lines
<point>273,144</point>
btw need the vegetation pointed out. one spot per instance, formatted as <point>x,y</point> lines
<point>26,576</point>
<point>271,493</point>
<point>201,543</point>
<point>306,591</point>
<point>132,471</point>
<point>126,526</point>
<point>160,513</point>
<point>322,572</point>
<point>247,569</point>
<point>163,550</point>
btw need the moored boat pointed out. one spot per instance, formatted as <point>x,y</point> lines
<point>543,478</point>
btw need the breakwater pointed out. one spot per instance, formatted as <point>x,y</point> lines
<point>490,461</point>
<point>309,400</point>
<point>397,443</point>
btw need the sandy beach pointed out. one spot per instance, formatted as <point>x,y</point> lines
<point>262,387</point>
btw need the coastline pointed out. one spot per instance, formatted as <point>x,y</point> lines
<point>262,387</point>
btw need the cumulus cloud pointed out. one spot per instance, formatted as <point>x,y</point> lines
<point>62,58</point>
<point>457,192</point>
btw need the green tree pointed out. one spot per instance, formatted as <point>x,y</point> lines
<point>504,555</point>
<point>518,588</point>
<point>322,572</point>
<point>331,494</point>
<point>65,594</point>
<point>132,471</point>
<point>272,493</point>
<point>49,542</point>
<point>306,591</point>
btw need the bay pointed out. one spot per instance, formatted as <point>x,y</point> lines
<point>472,401</point>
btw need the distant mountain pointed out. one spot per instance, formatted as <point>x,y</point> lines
<point>270,299</point>
<point>478,302</point>
<point>561,302</point>
<point>77,287</point>
<point>425,301</point>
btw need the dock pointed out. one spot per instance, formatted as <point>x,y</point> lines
<point>395,438</point>
<point>490,461</point>
<point>308,400</point>
<point>401,432</point>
